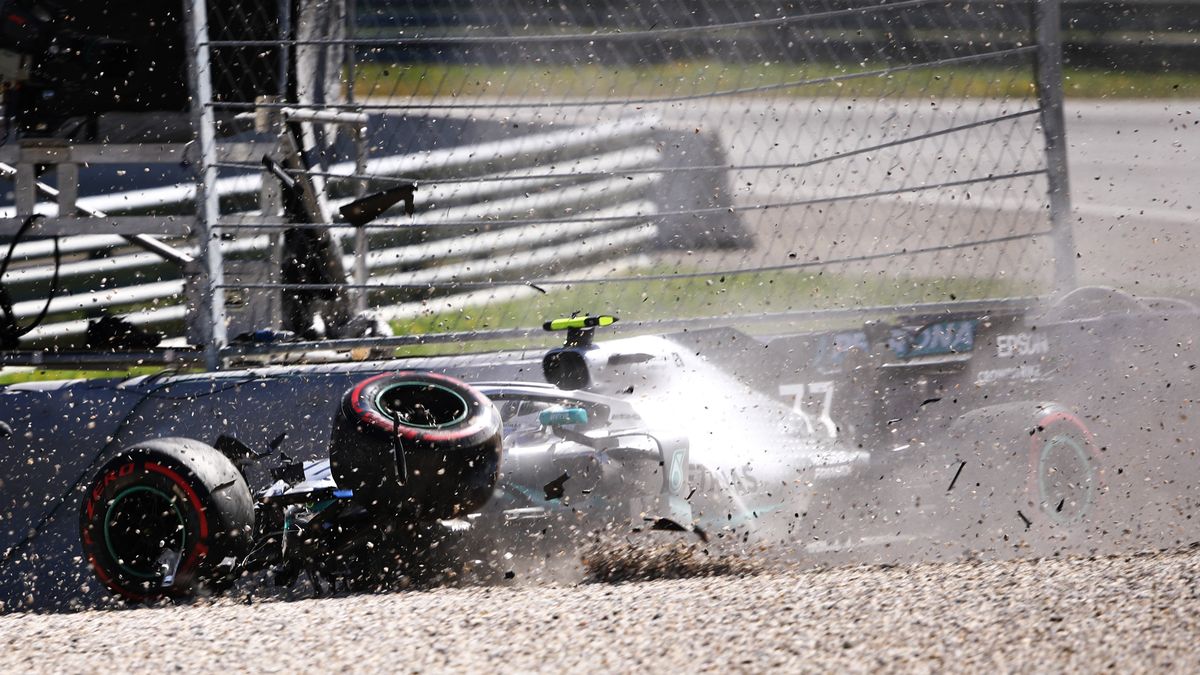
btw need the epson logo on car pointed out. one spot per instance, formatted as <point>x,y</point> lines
<point>1021,344</point>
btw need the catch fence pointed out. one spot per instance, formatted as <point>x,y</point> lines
<point>683,161</point>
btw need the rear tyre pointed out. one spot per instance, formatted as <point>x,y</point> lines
<point>1028,466</point>
<point>1064,468</point>
<point>166,518</point>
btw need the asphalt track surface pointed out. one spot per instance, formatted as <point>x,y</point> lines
<point>1135,182</point>
<point>1134,171</point>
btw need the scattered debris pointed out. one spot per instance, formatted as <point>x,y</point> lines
<point>113,332</point>
<point>1027,521</point>
<point>554,489</point>
<point>668,525</point>
<point>956,475</point>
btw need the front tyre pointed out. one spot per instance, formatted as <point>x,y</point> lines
<point>416,444</point>
<point>165,518</point>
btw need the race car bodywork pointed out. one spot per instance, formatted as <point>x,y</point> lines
<point>574,458</point>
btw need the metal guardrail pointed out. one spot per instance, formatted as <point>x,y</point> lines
<point>500,195</point>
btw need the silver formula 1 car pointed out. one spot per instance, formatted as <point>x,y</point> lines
<point>331,470</point>
<point>408,450</point>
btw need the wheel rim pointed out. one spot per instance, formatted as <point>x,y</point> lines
<point>1066,479</point>
<point>423,405</point>
<point>141,522</point>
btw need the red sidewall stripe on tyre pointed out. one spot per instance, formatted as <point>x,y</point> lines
<point>199,549</point>
<point>187,489</point>
<point>387,425</point>
<point>1035,451</point>
<point>110,582</point>
<point>106,478</point>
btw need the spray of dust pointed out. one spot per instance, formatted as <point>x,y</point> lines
<point>1071,432</point>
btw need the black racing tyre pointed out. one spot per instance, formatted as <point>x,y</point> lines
<point>1039,457</point>
<point>446,431</point>
<point>1065,473</point>
<point>166,517</point>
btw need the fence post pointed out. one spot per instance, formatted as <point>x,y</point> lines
<point>1048,73</point>
<point>210,319</point>
<point>362,245</point>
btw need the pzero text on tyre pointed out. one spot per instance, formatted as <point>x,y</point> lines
<point>166,517</point>
<point>416,443</point>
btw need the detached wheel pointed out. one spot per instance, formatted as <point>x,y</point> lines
<point>417,444</point>
<point>165,518</point>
